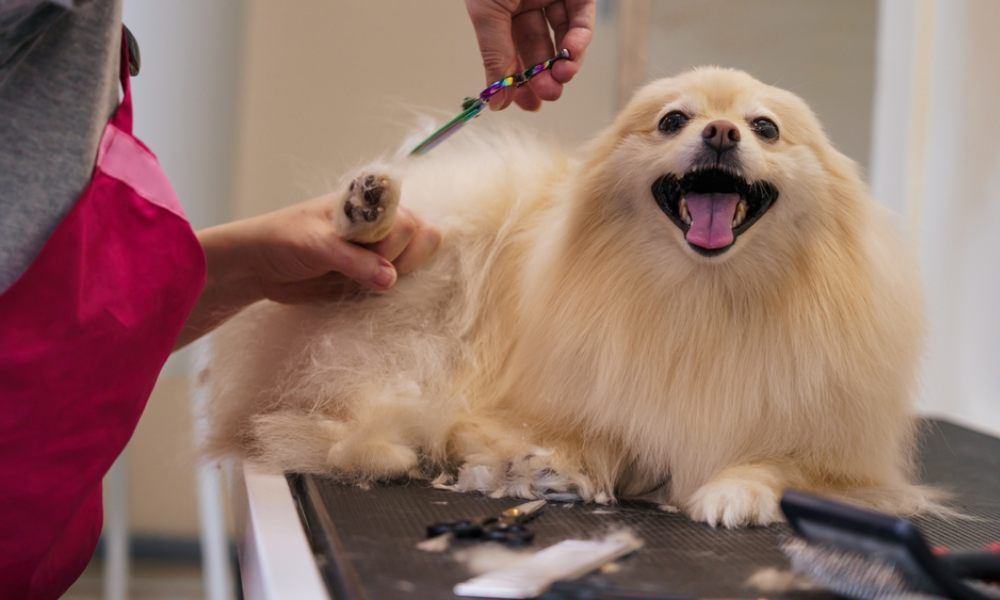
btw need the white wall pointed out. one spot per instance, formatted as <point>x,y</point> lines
<point>186,95</point>
<point>940,153</point>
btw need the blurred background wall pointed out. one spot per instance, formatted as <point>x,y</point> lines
<point>257,104</point>
<point>935,158</point>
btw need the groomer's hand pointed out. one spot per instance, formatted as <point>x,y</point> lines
<point>516,34</point>
<point>295,255</point>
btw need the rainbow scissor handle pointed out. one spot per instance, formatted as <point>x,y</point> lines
<point>471,107</point>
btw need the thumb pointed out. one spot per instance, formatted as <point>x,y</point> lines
<point>492,23</point>
<point>363,266</point>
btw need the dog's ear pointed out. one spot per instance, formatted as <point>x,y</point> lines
<point>600,147</point>
<point>640,114</point>
<point>803,127</point>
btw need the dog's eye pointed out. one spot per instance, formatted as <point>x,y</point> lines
<point>673,121</point>
<point>765,128</point>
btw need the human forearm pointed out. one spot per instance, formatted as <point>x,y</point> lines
<point>230,286</point>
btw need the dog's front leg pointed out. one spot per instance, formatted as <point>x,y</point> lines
<point>366,210</point>
<point>739,495</point>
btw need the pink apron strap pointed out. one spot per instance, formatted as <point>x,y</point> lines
<point>122,118</point>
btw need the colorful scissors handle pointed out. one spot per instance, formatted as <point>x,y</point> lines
<point>519,79</point>
<point>471,107</point>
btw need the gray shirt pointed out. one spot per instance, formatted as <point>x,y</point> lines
<point>58,89</point>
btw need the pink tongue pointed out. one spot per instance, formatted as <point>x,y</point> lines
<point>711,219</point>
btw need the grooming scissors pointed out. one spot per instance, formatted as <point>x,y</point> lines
<point>471,107</point>
<point>507,527</point>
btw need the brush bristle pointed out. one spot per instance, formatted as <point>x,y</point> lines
<point>848,573</point>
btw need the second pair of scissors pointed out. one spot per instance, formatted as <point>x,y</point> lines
<point>507,527</point>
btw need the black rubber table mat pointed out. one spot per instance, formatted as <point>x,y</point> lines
<point>365,540</point>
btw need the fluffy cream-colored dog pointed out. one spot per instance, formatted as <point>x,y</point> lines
<point>706,298</point>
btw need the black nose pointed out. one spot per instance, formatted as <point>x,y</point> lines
<point>721,135</point>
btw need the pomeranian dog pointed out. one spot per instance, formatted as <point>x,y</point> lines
<point>706,301</point>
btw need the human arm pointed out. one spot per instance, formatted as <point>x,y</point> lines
<point>295,255</point>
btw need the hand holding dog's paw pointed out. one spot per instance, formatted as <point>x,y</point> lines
<point>305,252</point>
<point>736,497</point>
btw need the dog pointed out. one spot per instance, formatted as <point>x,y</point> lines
<point>704,301</point>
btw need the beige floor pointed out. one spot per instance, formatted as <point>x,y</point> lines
<point>150,580</point>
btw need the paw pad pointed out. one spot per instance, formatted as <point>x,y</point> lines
<point>369,206</point>
<point>365,197</point>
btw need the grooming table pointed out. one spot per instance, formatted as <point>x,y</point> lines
<point>365,540</point>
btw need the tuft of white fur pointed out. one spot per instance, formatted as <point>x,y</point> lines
<point>438,543</point>
<point>483,558</point>
<point>566,339</point>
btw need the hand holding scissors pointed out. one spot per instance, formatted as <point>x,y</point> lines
<point>471,107</point>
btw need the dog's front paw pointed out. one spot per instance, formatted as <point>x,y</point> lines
<point>735,499</point>
<point>368,207</point>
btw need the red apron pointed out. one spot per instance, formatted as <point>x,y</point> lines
<point>83,334</point>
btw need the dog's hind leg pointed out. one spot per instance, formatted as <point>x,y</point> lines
<point>380,437</point>
<point>348,450</point>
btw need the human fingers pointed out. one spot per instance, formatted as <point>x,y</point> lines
<point>527,99</point>
<point>404,227</point>
<point>534,45</point>
<point>492,23</point>
<point>572,23</point>
<point>357,263</point>
<point>421,248</point>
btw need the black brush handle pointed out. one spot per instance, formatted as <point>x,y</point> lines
<point>984,566</point>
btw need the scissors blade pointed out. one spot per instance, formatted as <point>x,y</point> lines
<point>446,130</point>
<point>473,106</point>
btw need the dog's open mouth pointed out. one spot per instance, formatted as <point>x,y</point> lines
<point>713,206</point>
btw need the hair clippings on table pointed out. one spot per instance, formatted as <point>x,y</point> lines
<point>471,107</point>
